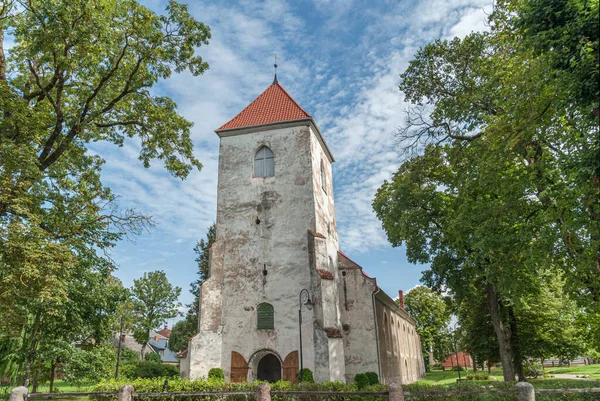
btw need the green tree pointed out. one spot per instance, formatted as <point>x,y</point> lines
<point>432,315</point>
<point>80,72</point>
<point>184,330</point>
<point>84,367</point>
<point>180,334</point>
<point>85,318</point>
<point>477,335</point>
<point>154,301</point>
<point>505,189</point>
<point>202,250</point>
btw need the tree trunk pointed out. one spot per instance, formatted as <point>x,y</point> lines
<point>474,363</point>
<point>517,357</point>
<point>52,373</point>
<point>32,346</point>
<point>489,368</point>
<point>502,333</point>
<point>2,59</point>
<point>36,379</point>
<point>142,351</point>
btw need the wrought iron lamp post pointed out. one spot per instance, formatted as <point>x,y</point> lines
<point>456,350</point>
<point>309,304</point>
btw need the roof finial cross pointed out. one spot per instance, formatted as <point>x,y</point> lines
<point>275,65</point>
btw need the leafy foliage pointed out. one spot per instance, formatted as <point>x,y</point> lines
<point>85,367</point>
<point>305,375</point>
<point>432,314</point>
<point>504,190</point>
<point>361,380</point>
<point>79,72</point>
<point>216,374</point>
<point>154,301</point>
<point>373,378</point>
<point>152,357</point>
<point>149,370</point>
<point>180,334</point>
<point>202,250</point>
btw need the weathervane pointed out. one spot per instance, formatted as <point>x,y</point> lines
<point>275,65</point>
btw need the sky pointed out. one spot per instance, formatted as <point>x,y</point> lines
<point>341,60</point>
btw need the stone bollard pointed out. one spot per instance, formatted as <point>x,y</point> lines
<point>263,392</point>
<point>396,392</point>
<point>18,394</point>
<point>526,391</point>
<point>126,393</point>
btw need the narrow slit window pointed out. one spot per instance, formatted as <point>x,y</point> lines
<point>264,316</point>
<point>264,163</point>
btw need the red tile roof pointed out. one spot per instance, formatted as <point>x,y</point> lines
<point>165,332</point>
<point>273,105</point>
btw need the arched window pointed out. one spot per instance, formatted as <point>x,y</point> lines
<point>264,163</point>
<point>264,316</point>
<point>323,177</point>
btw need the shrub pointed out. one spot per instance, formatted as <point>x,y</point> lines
<point>533,369</point>
<point>216,373</point>
<point>457,368</point>
<point>150,370</point>
<point>478,376</point>
<point>306,375</point>
<point>153,357</point>
<point>361,380</point>
<point>372,377</point>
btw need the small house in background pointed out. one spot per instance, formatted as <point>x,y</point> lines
<point>464,360</point>
<point>158,343</point>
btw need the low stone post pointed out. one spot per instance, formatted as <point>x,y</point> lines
<point>18,394</point>
<point>126,393</point>
<point>396,392</point>
<point>526,391</point>
<point>263,392</point>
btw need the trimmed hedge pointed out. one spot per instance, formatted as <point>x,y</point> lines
<point>177,385</point>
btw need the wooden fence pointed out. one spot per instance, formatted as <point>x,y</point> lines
<point>524,391</point>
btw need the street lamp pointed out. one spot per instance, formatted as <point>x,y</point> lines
<point>456,350</point>
<point>309,304</point>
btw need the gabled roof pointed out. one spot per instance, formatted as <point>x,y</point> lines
<point>272,106</point>
<point>165,332</point>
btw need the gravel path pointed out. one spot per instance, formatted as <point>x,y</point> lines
<point>568,376</point>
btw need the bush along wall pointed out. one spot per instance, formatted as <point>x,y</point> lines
<point>216,385</point>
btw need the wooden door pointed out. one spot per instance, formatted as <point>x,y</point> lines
<point>239,368</point>
<point>290,367</point>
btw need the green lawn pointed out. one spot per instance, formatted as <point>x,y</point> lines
<point>576,370</point>
<point>63,387</point>
<point>440,377</point>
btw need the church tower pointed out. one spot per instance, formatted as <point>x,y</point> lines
<point>275,253</point>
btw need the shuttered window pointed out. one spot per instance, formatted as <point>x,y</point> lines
<point>264,163</point>
<point>264,315</point>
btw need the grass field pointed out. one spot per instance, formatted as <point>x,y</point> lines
<point>439,377</point>
<point>592,370</point>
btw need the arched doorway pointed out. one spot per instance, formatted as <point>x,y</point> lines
<point>269,368</point>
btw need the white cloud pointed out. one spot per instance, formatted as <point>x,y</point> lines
<point>341,64</point>
<point>475,20</point>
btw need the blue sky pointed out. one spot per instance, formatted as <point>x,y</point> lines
<point>341,61</point>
